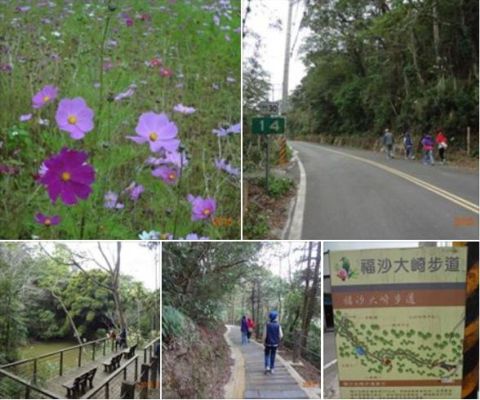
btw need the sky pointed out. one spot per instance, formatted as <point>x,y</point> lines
<point>136,260</point>
<point>263,20</point>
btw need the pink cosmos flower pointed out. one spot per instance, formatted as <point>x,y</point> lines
<point>75,117</point>
<point>166,72</point>
<point>135,191</point>
<point>47,221</point>
<point>111,200</point>
<point>44,96</point>
<point>184,109</point>
<point>25,117</point>
<point>158,131</point>
<point>167,174</point>
<point>67,175</point>
<point>202,208</point>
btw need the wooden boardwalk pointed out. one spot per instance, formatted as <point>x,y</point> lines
<point>280,385</point>
<point>55,385</point>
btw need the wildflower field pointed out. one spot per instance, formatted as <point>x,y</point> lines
<point>120,119</point>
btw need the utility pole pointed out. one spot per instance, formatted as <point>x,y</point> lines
<point>286,62</point>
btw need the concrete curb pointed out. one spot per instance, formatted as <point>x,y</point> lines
<point>235,387</point>
<point>294,226</point>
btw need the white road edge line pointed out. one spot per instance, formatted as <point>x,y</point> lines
<point>296,226</point>
<point>328,365</point>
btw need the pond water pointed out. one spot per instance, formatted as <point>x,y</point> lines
<point>35,349</point>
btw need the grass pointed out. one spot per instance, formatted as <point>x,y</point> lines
<point>66,45</point>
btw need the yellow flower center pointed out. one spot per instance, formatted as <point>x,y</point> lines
<point>66,176</point>
<point>72,119</point>
<point>153,136</point>
<point>172,176</point>
<point>46,98</point>
<point>207,211</point>
<point>47,221</point>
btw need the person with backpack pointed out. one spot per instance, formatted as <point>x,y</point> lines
<point>388,142</point>
<point>408,145</point>
<point>251,327</point>
<point>441,141</point>
<point>427,145</point>
<point>244,330</point>
<point>271,338</point>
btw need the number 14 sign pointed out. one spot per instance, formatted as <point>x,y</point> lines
<point>268,125</point>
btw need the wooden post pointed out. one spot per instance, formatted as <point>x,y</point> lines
<point>144,355</point>
<point>79,356</point>
<point>104,346</point>
<point>468,141</point>
<point>93,352</point>
<point>128,390</point>
<point>107,390</point>
<point>34,377</point>
<point>153,373</point>
<point>144,381</point>
<point>27,392</point>
<point>136,369</point>
<point>61,363</point>
<point>296,345</point>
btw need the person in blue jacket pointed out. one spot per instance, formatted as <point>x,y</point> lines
<point>244,330</point>
<point>271,337</point>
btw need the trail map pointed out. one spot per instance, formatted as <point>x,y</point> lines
<point>399,319</point>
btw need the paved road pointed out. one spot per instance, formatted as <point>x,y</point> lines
<point>357,194</point>
<point>280,385</point>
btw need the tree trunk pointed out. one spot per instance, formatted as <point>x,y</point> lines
<point>436,31</point>
<point>67,313</point>
<point>306,294</point>
<point>312,296</point>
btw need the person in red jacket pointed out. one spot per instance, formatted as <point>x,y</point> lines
<point>251,327</point>
<point>441,141</point>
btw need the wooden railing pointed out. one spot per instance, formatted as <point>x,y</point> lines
<point>149,349</point>
<point>42,368</point>
<point>13,387</point>
<point>106,384</point>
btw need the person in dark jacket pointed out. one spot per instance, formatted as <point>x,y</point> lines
<point>271,336</point>
<point>244,330</point>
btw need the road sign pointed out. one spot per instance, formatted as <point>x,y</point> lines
<point>268,107</point>
<point>268,125</point>
<point>399,320</point>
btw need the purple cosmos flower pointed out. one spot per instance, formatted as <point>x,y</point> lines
<point>44,96</point>
<point>184,109</point>
<point>128,93</point>
<point>158,131</point>
<point>152,235</point>
<point>25,117</point>
<point>226,131</point>
<point>202,208</point>
<point>135,191</point>
<point>167,174</point>
<point>194,236</point>
<point>75,117</point>
<point>22,8</point>
<point>47,221</point>
<point>67,175</point>
<point>224,165</point>
<point>111,200</point>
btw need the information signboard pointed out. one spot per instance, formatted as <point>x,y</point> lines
<point>268,125</point>
<point>399,319</point>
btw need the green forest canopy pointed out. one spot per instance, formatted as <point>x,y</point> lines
<point>390,63</point>
<point>44,295</point>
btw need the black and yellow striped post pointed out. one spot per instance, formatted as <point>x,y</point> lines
<point>282,154</point>
<point>470,342</point>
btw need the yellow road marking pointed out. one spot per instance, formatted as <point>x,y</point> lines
<point>419,182</point>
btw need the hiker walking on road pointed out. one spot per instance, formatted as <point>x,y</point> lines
<point>408,145</point>
<point>271,338</point>
<point>427,144</point>
<point>251,327</point>
<point>244,330</point>
<point>388,141</point>
<point>441,141</point>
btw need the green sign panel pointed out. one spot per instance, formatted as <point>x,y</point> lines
<point>399,320</point>
<point>268,125</point>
